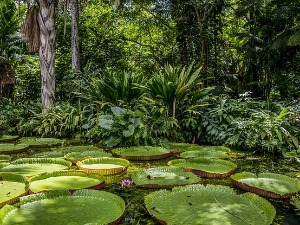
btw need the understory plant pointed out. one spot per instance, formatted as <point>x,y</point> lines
<point>264,131</point>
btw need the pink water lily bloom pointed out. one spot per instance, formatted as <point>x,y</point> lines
<point>126,183</point>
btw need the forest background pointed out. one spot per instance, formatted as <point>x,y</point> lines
<point>147,72</point>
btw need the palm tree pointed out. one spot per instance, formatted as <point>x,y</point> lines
<point>39,29</point>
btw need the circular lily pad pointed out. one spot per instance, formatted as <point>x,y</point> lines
<point>78,148</point>
<point>211,168</point>
<point>66,179</point>
<point>204,154</point>
<point>12,148</point>
<point>41,142</point>
<point>209,205</point>
<point>103,165</point>
<point>142,153</point>
<point>60,207</point>
<point>208,148</point>
<point>74,157</point>
<point>34,166</point>
<point>181,146</point>
<point>4,158</point>
<point>164,177</point>
<point>48,154</point>
<point>8,138</point>
<point>12,187</point>
<point>267,184</point>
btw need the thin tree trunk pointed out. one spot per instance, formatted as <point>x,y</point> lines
<point>46,19</point>
<point>75,36</point>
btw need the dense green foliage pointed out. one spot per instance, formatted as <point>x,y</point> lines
<point>212,72</point>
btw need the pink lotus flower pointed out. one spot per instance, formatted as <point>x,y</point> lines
<point>126,183</point>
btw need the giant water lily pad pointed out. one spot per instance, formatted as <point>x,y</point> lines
<point>267,184</point>
<point>41,142</point>
<point>181,146</point>
<point>142,153</point>
<point>164,177</point>
<point>12,148</point>
<point>208,148</point>
<point>74,157</point>
<point>205,154</point>
<point>67,179</point>
<point>60,207</point>
<point>103,165</point>
<point>8,138</point>
<point>212,168</point>
<point>12,187</point>
<point>78,148</point>
<point>34,166</point>
<point>4,158</point>
<point>209,205</point>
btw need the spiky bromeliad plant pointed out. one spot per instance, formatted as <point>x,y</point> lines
<point>61,207</point>
<point>209,205</point>
<point>267,184</point>
<point>12,187</point>
<point>164,177</point>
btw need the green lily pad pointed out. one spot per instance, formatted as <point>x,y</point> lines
<point>78,148</point>
<point>8,138</point>
<point>208,148</point>
<point>41,142</point>
<point>12,187</point>
<point>34,166</point>
<point>267,184</point>
<point>204,154</point>
<point>5,158</point>
<point>12,148</point>
<point>74,157</point>
<point>61,207</point>
<point>142,153</point>
<point>181,146</point>
<point>66,179</point>
<point>103,165</point>
<point>164,177</point>
<point>204,167</point>
<point>209,205</point>
<point>49,154</point>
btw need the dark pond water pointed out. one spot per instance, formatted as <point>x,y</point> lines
<point>136,212</point>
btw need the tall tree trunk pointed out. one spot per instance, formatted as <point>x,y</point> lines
<point>75,36</point>
<point>46,19</point>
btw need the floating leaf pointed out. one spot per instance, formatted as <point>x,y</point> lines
<point>267,184</point>
<point>61,207</point>
<point>209,205</point>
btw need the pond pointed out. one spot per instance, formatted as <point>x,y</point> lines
<point>136,212</point>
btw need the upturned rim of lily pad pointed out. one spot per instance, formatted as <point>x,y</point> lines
<point>120,165</point>
<point>6,176</point>
<point>9,148</point>
<point>65,173</point>
<point>291,186</point>
<point>142,153</point>
<point>200,166</point>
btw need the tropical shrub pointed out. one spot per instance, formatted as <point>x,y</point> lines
<point>264,131</point>
<point>114,89</point>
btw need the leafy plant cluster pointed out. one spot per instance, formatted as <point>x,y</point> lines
<point>124,109</point>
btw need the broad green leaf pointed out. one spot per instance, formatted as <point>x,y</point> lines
<point>295,141</point>
<point>118,111</point>
<point>129,132</point>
